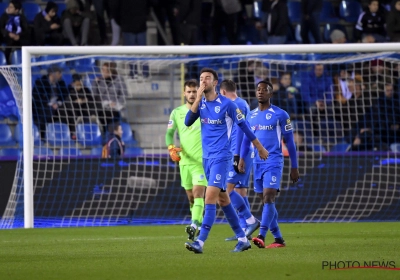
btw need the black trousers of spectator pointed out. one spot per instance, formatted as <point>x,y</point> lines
<point>221,19</point>
<point>164,10</point>
<point>310,25</point>
<point>51,39</point>
<point>188,34</point>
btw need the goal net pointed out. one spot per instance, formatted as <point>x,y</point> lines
<point>344,107</point>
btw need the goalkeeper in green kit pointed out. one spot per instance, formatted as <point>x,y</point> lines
<point>189,156</point>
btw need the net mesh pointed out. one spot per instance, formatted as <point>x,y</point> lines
<point>344,108</point>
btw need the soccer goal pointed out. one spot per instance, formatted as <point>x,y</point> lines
<point>69,98</point>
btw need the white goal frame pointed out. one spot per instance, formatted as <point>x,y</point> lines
<point>27,53</point>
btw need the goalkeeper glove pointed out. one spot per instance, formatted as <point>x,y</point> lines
<point>236,159</point>
<point>174,153</point>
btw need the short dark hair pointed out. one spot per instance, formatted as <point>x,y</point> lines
<point>17,4</point>
<point>228,85</point>
<point>370,1</point>
<point>51,6</point>
<point>268,83</point>
<point>53,69</point>
<point>190,83</point>
<point>113,126</point>
<point>210,70</point>
<point>76,77</point>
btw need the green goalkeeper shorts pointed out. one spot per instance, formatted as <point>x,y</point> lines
<point>192,175</point>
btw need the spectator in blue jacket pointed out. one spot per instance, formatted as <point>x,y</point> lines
<point>316,86</point>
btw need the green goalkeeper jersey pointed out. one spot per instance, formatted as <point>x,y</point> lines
<point>190,137</point>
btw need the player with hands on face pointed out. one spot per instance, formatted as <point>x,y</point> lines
<point>217,115</point>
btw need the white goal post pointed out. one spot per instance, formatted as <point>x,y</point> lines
<point>27,53</point>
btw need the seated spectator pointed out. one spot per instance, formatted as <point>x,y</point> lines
<point>315,86</point>
<point>349,99</point>
<point>48,97</point>
<point>338,37</point>
<point>371,22</point>
<point>246,78</point>
<point>275,21</point>
<point>110,90</point>
<point>381,124</point>
<point>115,147</point>
<point>14,28</point>
<point>342,88</point>
<point>286,96</point>
<point>323,123</point>
<point>81,105</point>
<point>76,23</point>
<point>393,22</point>
<point>47,26</point>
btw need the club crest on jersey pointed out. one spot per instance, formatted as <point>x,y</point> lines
<point>170,123</point>
<point>268,116</point>
<point>273,178</point>
<point>201,177</point>
<point>288,121</point>
<point>202,106</point>
<point>217,109</point>
<point>231,174</point>
<point>218,176</point>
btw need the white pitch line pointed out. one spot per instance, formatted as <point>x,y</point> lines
<point>94,239</point>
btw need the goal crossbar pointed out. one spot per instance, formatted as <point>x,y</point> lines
<point>28,52</point>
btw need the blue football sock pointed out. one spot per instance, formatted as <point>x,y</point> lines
<point>233,220</point>
<point>210,211</point>
<point>274,228</point>
<point>267,217</point>
<point>246,201</point>
<point>240,205</point>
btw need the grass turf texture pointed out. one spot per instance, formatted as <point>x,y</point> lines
<point>158,252</point>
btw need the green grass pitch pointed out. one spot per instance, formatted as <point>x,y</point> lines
<point>158,252</point>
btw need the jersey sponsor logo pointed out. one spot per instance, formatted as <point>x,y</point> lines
<point>218,176</point>
<point>170,123</point>
<point>288,127</point>
<point>217,109</point>
<point>210,121</point>
<point>239,115</point>
<point>268,116</point>
<point>262,127</point>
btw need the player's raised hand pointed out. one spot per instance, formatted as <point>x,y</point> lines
<point>294,175</point>
<point>174,153</point>
<point>200,91</point>
<point>241,166</point>
<point>263,153</point>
